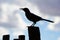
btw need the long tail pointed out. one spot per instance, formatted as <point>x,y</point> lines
<point>48,20</point>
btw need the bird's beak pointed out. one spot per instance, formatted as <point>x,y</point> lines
<point>21,8</point>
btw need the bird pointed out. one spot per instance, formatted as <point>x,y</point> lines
<point>32,17</point>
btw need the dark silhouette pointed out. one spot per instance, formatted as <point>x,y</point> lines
<point>16,39</point>
<point>6,37</point>
<point>21,37</point>
<point>32,17</point>
<point>34,33</point>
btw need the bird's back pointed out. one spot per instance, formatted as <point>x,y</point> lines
<point>32,17</point>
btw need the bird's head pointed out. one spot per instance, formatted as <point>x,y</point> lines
<point>24,9</point>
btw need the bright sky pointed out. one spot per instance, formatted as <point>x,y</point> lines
<point>14,22</point>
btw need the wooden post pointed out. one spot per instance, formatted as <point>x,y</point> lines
<point>6,37</point>
<point>34,33</point>
<point>16,39</point>
<point>21,37</point>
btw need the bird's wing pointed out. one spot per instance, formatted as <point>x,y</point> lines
<point>35,15</point>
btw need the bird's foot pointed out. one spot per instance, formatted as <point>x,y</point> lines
<point>32,25</point>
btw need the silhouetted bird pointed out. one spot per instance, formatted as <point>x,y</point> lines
<point>32,17</point>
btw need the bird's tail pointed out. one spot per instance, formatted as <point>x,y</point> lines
<point>48,20</point>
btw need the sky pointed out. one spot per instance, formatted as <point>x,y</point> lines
<point>14,22</point>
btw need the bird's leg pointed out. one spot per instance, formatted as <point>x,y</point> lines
<point>33,24</point>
